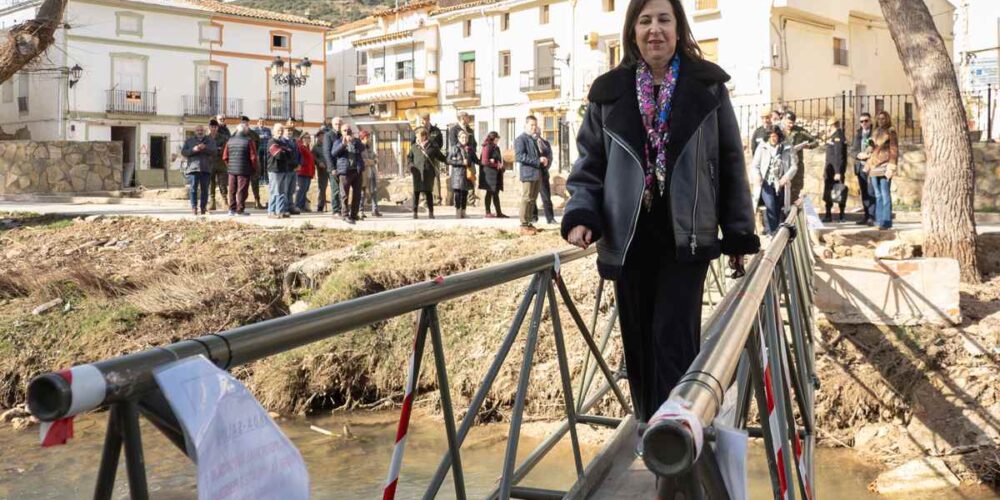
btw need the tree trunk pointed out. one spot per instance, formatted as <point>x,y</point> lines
<point>947,205</point>
<point>28,40</point>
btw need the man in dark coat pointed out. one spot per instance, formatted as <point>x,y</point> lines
<point>529,162</point>
<point>858,151</point>
<point>329,138</point>
<point>264,133</point>
<point>349,164</point>
<point>798,136</point>
<point>220,179</point>
<point>199,155</point>
<point>255,177</point>
<point>240,156</point>
<point>544,188</point>
<point>836,168</point>
<point>763,132</point>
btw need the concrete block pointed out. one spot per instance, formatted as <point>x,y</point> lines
<point>884,292</point>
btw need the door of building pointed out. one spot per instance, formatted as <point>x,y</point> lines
<point>127,137</point>
<point>544,63</point>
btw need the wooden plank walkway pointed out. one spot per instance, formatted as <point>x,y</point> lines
<point>616,473</point>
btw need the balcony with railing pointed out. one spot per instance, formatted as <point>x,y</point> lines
<point>541,84</point>
<point>388,84</point>
<point>131,102</point>
<point>195,105</point>
<point>278,110</point>
<point>463,92</point>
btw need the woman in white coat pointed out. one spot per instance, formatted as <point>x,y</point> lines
<point>773,167</point>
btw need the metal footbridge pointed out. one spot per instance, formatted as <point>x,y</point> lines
<point>757,346</point>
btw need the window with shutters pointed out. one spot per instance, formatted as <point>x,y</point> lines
<point>504,61</point>
<point>467,28</point>
<point>23,88</point>
<point>543,14</point>
<point>706,5</point>
<point>129,72</point>
<point>505,21</point>
<point>710,49</point>
<point>840,52</point>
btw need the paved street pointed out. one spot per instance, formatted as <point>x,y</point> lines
<point>393,219</point>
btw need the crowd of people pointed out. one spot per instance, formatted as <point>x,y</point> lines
<point>344,162</point>
<point>778,168</point>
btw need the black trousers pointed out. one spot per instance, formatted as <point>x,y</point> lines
<point>427,196</point>
<point>492,197</point>
<point>659,307</point>
<point>461,198</point>
<point>350,194</point>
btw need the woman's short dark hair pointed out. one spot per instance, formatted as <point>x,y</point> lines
<point>777,130</point>
<point>686,44</point>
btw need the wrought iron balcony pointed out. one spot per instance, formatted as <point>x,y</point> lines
<point>135,102</point>
<point>541,80</point>
<point>207,106</point>
<point>278,110</point>
<point>464,88</point>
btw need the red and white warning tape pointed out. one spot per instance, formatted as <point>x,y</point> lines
<point>774,424</point>
<point>389,493</point>
<point>87,389</point>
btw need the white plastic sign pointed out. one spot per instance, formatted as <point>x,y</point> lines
<point>240,452</point>
<point>731,454</point>
<point>812,218</point>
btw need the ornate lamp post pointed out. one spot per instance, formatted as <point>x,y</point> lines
<point>74,75</point>
<point>292,78</point>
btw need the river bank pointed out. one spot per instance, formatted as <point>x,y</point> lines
<point>111,286</point>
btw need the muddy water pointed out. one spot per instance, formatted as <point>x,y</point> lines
<point>355,468</point>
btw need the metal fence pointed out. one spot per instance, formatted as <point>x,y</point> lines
<point>200,105</point>
<point>980,106</point>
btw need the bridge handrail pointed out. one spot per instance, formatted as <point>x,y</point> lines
<point>127,377</point>
<point>744,335</point>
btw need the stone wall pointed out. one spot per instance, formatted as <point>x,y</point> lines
<point>60,167</point>
<point>908,184</point>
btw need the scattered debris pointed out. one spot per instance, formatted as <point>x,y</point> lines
<point>42,309</point>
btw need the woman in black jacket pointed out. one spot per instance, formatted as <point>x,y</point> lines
<point>491,174</point>
<point>463,161</point>
<point>660,171</point>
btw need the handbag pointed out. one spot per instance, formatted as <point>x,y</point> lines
<point>470,173</point>
<point>838,191</point>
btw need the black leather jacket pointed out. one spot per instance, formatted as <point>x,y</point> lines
<point>708,187</point>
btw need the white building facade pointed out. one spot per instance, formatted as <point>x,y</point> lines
<point>502,60</point>
<point>154,69</point>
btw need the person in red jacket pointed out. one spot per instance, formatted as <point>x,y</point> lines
<point>305,172</point>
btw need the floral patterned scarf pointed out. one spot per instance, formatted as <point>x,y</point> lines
<point>655,111</point>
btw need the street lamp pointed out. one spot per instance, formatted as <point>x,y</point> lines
<point>292,78</point>
<point>74,75</point>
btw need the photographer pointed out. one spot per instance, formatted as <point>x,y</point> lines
<point>349,164</point>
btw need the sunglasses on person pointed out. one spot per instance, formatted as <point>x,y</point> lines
<point>865,120</point>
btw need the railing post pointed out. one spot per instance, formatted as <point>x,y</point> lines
<point>449,415</point>
<point>514,436</point>
<point>412,376</point>
<point>109,456</point>
<point>484,388</point>
<point>567,385</point>
<point>135,464</point>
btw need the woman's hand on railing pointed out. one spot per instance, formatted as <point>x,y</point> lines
<point>736,263</point>
<point>580,236</point>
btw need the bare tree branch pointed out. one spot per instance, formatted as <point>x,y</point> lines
<point>30,39</point>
